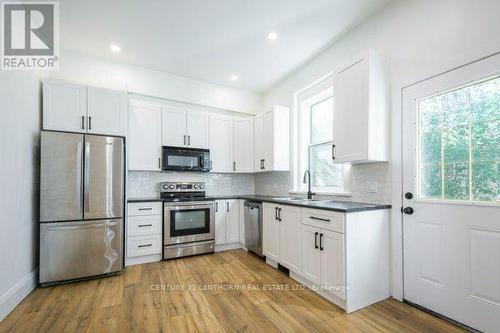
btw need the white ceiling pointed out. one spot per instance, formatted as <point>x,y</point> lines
<point>210,40</point>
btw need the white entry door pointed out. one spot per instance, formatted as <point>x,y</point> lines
<point>451,167</point>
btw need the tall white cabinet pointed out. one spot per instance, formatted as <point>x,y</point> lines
<point>71,107</point>
<point>144,135</point>
<point>361,110</point>
<point>272,140</point>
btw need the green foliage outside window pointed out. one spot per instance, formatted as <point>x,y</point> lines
<point>459,143</point>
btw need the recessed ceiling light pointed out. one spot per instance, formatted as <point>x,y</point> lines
<point>115,48</point>
<point>272,36</point>
<point>234,77</point>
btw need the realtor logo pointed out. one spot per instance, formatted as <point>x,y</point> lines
<point>30,35</point>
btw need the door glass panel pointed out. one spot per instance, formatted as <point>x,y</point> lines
<point>459,143</point>
<point>189,222</point>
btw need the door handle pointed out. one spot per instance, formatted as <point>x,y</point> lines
<point>184,139</point>
<point>144,225</point>
<point>407,210</point>
<point>409,195</point>
<point>321,242</point>
<point>316,240</point>
<point>279,214</point>
<point>333,152</point>
<point>227,206</point>
<point>149,208</point>
<point>234,166</point>
<point>216,207</point>
<point>86,192</point>
<point>159,162</point>
<point>189,140</point>
<point>276,213</point>
<point>145,245</point>
<point>83,122</point>
<point>264,165</point>
<point>319,219</point>
<point>90,123</point>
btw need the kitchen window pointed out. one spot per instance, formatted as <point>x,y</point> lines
<point>314,132</point>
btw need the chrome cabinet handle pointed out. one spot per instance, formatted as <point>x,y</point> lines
<point>276,213</point>
<point>279,214</point>
<point>83,122</point>
<point>184,139</point>
<point>90,123</point>
<point>216,207</point>
<point>321,242</point>
<point>234,166</point>
<point>319,219</point>
<point>264,165</point>
<point>144,225</point>
<point>159,162</point>
<point>149,208</point>
<point>316,240</point>
<point>333,152</point>
<point>189,140</point>
<point>145,245</point>
<point>227,206</point>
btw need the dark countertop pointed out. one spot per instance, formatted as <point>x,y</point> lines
<point>334,205</point>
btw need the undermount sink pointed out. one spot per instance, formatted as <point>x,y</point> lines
<point>299,199</point>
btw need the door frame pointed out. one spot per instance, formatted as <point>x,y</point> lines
<point>397,283</point>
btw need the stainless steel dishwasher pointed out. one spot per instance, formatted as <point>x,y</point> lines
<point>253,226</point>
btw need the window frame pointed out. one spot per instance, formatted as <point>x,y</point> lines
<point>313,94</point>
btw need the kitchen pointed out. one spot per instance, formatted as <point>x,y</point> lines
<point>333,190</point>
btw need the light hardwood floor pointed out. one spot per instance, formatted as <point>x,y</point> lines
<point>134,302</point>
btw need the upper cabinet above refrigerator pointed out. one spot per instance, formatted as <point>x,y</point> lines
<point>77,108</point>
<point>361,110</point>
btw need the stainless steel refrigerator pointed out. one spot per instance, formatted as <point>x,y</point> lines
<point>81,206</point>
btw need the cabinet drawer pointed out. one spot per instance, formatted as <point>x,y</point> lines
<point>323,219</point>
<point>143,245</point>
<point>144,225</point>
<point>144,208</point>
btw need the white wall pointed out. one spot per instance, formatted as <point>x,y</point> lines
<point>88,70</point>
<point>422,38</point>
<point>19,185</point>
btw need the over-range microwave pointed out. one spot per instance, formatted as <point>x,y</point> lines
<point>185,159</point>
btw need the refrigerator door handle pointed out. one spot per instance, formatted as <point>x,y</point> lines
<point>79,177</point>
<point>86,194</point>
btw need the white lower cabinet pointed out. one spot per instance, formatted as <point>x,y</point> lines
<point>227,224</point>
<point>343,256</point>
<point>144,233</point>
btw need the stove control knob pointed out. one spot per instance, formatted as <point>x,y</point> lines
<point>195,186</point>
<point>171,187</point>
<point>202,186</point>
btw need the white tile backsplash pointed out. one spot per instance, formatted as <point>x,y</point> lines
<point>145,184</point>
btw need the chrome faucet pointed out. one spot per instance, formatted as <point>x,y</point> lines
<point>307,180</point>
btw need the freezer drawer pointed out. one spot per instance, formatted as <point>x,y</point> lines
<point>73,250</point>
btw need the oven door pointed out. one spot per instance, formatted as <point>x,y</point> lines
<point>188,222</point>
<point>184,159</point>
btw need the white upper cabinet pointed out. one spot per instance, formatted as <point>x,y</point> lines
<point>243,141</point>
<point>182,128</point>
<point>197,130</point>
<point>106,111</point>
<point>174,127</point>
<point>64,106</point>
<point>73,107</point>
<point>272,140</point>
<point>144,136</point>
<point>361,114</point>
<point>221,132</point>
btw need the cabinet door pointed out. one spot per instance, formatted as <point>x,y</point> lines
<point>241,214</point>
<point>220,221</point>
<point>290,238</point>
<point>351,118</point>
<point>144,136</point>
<point>311,255</point>
<point>106,111</point>
<point>174,127</point>
<point>232,221</point>
<point>258,143</point>
<point>64,106</point>
<point>220,144</point>
<point>268,141</point>
<point>197,130</point>
<point>270,232</point>
<point>332,262</point>
<point>243,145</point>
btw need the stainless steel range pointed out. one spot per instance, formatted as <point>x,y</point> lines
<point>188,220</point>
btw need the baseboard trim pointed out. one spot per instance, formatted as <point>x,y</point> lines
<point>12,297</point>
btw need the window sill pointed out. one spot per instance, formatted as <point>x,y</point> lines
<point>323,193</point>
